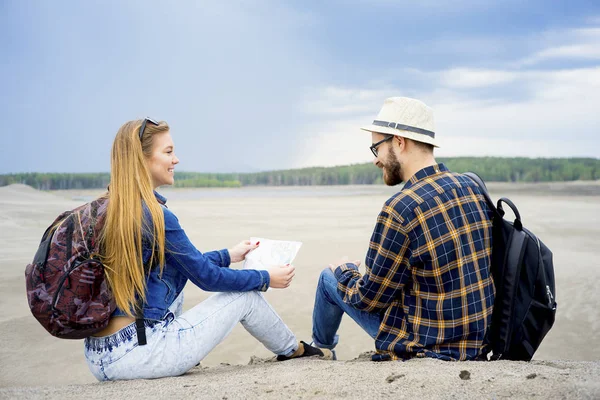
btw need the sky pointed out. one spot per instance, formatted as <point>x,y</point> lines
<point>261,85</point>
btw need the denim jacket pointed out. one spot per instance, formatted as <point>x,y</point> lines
<point>209,271</point>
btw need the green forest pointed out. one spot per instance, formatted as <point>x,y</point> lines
<point>492,169</point>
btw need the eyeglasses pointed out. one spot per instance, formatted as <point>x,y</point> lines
<point>143,127</point>
<point>374,145</point>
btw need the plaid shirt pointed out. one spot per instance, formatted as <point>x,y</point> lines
<point>428,269</point>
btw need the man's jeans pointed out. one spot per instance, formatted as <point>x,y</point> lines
<point>328,311</point>
<point>180,341</point>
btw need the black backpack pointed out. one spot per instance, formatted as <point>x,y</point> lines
<point>525,304</point>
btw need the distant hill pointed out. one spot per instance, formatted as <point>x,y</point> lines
<point>492,169</point>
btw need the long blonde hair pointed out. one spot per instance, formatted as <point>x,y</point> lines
<point>121,239</point>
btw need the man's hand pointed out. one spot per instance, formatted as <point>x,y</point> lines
<point>282,276</point>
<point>344,260</point>
<point>238,252</point>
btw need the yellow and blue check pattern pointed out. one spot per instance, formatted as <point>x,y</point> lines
<point>428,269</point>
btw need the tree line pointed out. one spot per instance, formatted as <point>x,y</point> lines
<point>492,169</point>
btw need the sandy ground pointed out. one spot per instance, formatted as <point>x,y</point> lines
<point>331,222</point>
<point>316,379</point>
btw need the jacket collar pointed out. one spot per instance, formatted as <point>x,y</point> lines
<point>426,172</point>
<point>161,199</point>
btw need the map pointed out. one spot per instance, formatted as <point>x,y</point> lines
<point>271,253</point>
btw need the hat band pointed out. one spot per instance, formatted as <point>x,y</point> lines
<point>404,128</point>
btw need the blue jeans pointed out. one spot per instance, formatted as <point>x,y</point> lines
<point>180,341</point>
<point>328,312</point>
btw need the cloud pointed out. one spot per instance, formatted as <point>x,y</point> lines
<point>557,116</point>
<point>594,20</point>
<point>569,45</point>
<point>502,147</point>
<point>561,107</point>
<point>471,78</point>
<point>589,51</point>
<point>431,6</point>
<point>335,101</point>
<point>337,141</point>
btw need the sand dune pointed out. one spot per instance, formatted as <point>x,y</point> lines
<point>20,193</point>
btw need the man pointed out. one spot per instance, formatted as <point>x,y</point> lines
<point>428,289</point>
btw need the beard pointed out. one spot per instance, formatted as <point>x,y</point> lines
<point>392,171</point>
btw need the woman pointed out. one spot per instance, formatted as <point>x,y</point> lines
<point>140,231</point>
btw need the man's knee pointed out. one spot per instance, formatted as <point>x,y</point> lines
<point>328,282</point>
<point>327,278</point>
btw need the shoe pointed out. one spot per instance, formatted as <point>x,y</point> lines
<point>306,350</point>
<point>312,343</point>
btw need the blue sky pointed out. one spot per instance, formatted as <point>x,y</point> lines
<point>259,85</point>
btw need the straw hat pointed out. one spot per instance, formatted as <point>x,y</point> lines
<point>406,117</point>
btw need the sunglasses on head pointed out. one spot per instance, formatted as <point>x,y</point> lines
<point>143,127</point>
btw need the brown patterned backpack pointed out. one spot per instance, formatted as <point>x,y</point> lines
<point>66,286</point>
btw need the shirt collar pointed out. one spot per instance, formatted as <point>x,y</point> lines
<point>161,199</point>
<point>424,173</point>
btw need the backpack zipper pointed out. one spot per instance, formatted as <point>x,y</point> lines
<point>550,298</point>
<point>549,295</point>
<point>42,266</point>
<point>66,277</point>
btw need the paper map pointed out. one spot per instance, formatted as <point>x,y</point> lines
<point>271,253</point>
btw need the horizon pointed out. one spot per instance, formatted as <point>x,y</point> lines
<point>310,167</point>
<point>266,86</point>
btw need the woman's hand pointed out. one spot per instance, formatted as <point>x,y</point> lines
<point>282,276</point>
<point>238,252</point>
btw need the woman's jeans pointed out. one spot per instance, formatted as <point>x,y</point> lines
<point>328,312</point>
<point>180,341</point>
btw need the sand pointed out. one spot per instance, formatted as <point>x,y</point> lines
<point>315,379</point>
<point>331,222</point>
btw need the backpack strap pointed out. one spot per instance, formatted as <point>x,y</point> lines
<point>474,177</point>
<point>498,210</point>
<point>517,223</point>
<point>141,331</point>
<point>69,239</point>
<point>94,218</point>
<point>140,328</point>
<point>139,323</point>
<point>488,346</point>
